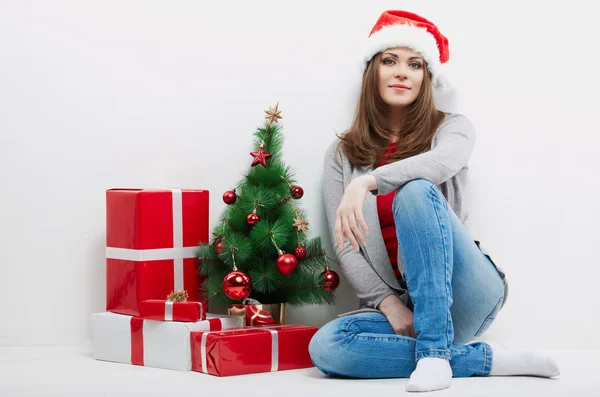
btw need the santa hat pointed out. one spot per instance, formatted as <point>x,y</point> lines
<point>397,28</point>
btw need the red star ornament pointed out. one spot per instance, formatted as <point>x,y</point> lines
<point>260,157</point>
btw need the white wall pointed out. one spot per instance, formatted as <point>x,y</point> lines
<point>95,95</point>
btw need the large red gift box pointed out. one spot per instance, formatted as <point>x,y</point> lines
<point>152,236</point>
<point>251,350</point>
<point>160,344</point>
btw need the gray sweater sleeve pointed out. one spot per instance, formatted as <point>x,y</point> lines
<point>455,141</point>
<point>367,284</point>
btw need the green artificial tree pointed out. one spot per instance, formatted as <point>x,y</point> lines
<point>260,248</point>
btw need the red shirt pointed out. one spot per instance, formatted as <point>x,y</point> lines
<point>386,217</point>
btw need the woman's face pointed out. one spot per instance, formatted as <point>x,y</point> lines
<point>400,76</point>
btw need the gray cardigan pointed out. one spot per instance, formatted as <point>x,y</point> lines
<point>369,270</point>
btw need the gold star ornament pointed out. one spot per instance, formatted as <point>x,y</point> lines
<point>301,224</point>
<point>273,115</point>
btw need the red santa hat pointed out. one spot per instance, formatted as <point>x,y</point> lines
<point>397,28</point>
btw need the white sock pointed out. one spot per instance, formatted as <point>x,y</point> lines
<point>526,363</point>
<point>432,373</point>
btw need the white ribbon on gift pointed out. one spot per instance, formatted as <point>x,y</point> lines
<point>169,310</point>
<point>177,253</point>
<point>274,345</point>
<point>178,236</point>
<point>274,350</point>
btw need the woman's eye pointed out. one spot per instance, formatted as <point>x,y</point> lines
<point>385,61</point>
<point>415,65</point>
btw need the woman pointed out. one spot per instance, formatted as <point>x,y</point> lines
<point>394,185</point>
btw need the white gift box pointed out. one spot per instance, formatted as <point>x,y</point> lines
<point>132,340</point>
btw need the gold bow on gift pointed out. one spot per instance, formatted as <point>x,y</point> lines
<point>178,296</point>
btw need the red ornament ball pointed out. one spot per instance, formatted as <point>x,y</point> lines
<point>300,252</point>
<point>237,285</point>
<point>220,247</point>
<point>297,192</point>
<point>331,280</point>
<point>229,197</point>
<point>287,264</point>
<point>252,219</point>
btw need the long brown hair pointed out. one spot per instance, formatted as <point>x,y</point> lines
<point>366,141</point>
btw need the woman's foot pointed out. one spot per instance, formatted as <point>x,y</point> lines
<point>526,363</point>
<point>432,373</point>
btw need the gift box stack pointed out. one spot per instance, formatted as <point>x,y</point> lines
<point>155,315</point>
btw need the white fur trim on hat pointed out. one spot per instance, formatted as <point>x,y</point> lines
<point>417,39</point>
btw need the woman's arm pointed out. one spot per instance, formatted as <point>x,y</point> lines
<point>455,144</point>
<point>365,281</point>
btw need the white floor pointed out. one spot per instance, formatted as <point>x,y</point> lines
<point>28,372</point>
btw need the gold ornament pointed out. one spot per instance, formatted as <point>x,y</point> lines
<point>273,115</point>
<point>301,224</point>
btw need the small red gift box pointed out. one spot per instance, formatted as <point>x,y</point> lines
<point>251,350</point>
<point>253,315</point>
<point>152,236</point>
<point>164,310</point>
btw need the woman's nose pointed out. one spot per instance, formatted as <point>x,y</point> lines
<point>400,72</point>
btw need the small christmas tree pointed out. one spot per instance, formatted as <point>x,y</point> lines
<point>260,247</point>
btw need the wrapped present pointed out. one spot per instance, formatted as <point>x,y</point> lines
<point>132,340</point>
<point>151,240</point>
<point>165,310</point>
<point>251,350</point>
<point>254,315</point>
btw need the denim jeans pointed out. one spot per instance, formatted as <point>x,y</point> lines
<point>455,294</point>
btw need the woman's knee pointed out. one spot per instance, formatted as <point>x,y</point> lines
<point>317,344</point>
<point>468,326</point>
<point>490,317</point>
<point>412,190</point>
<point>322,343</point>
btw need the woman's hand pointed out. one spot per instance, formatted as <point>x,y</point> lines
<point>399,316</point>
<point>350,213</point>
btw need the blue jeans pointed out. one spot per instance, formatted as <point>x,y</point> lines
<point>455,294</point>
